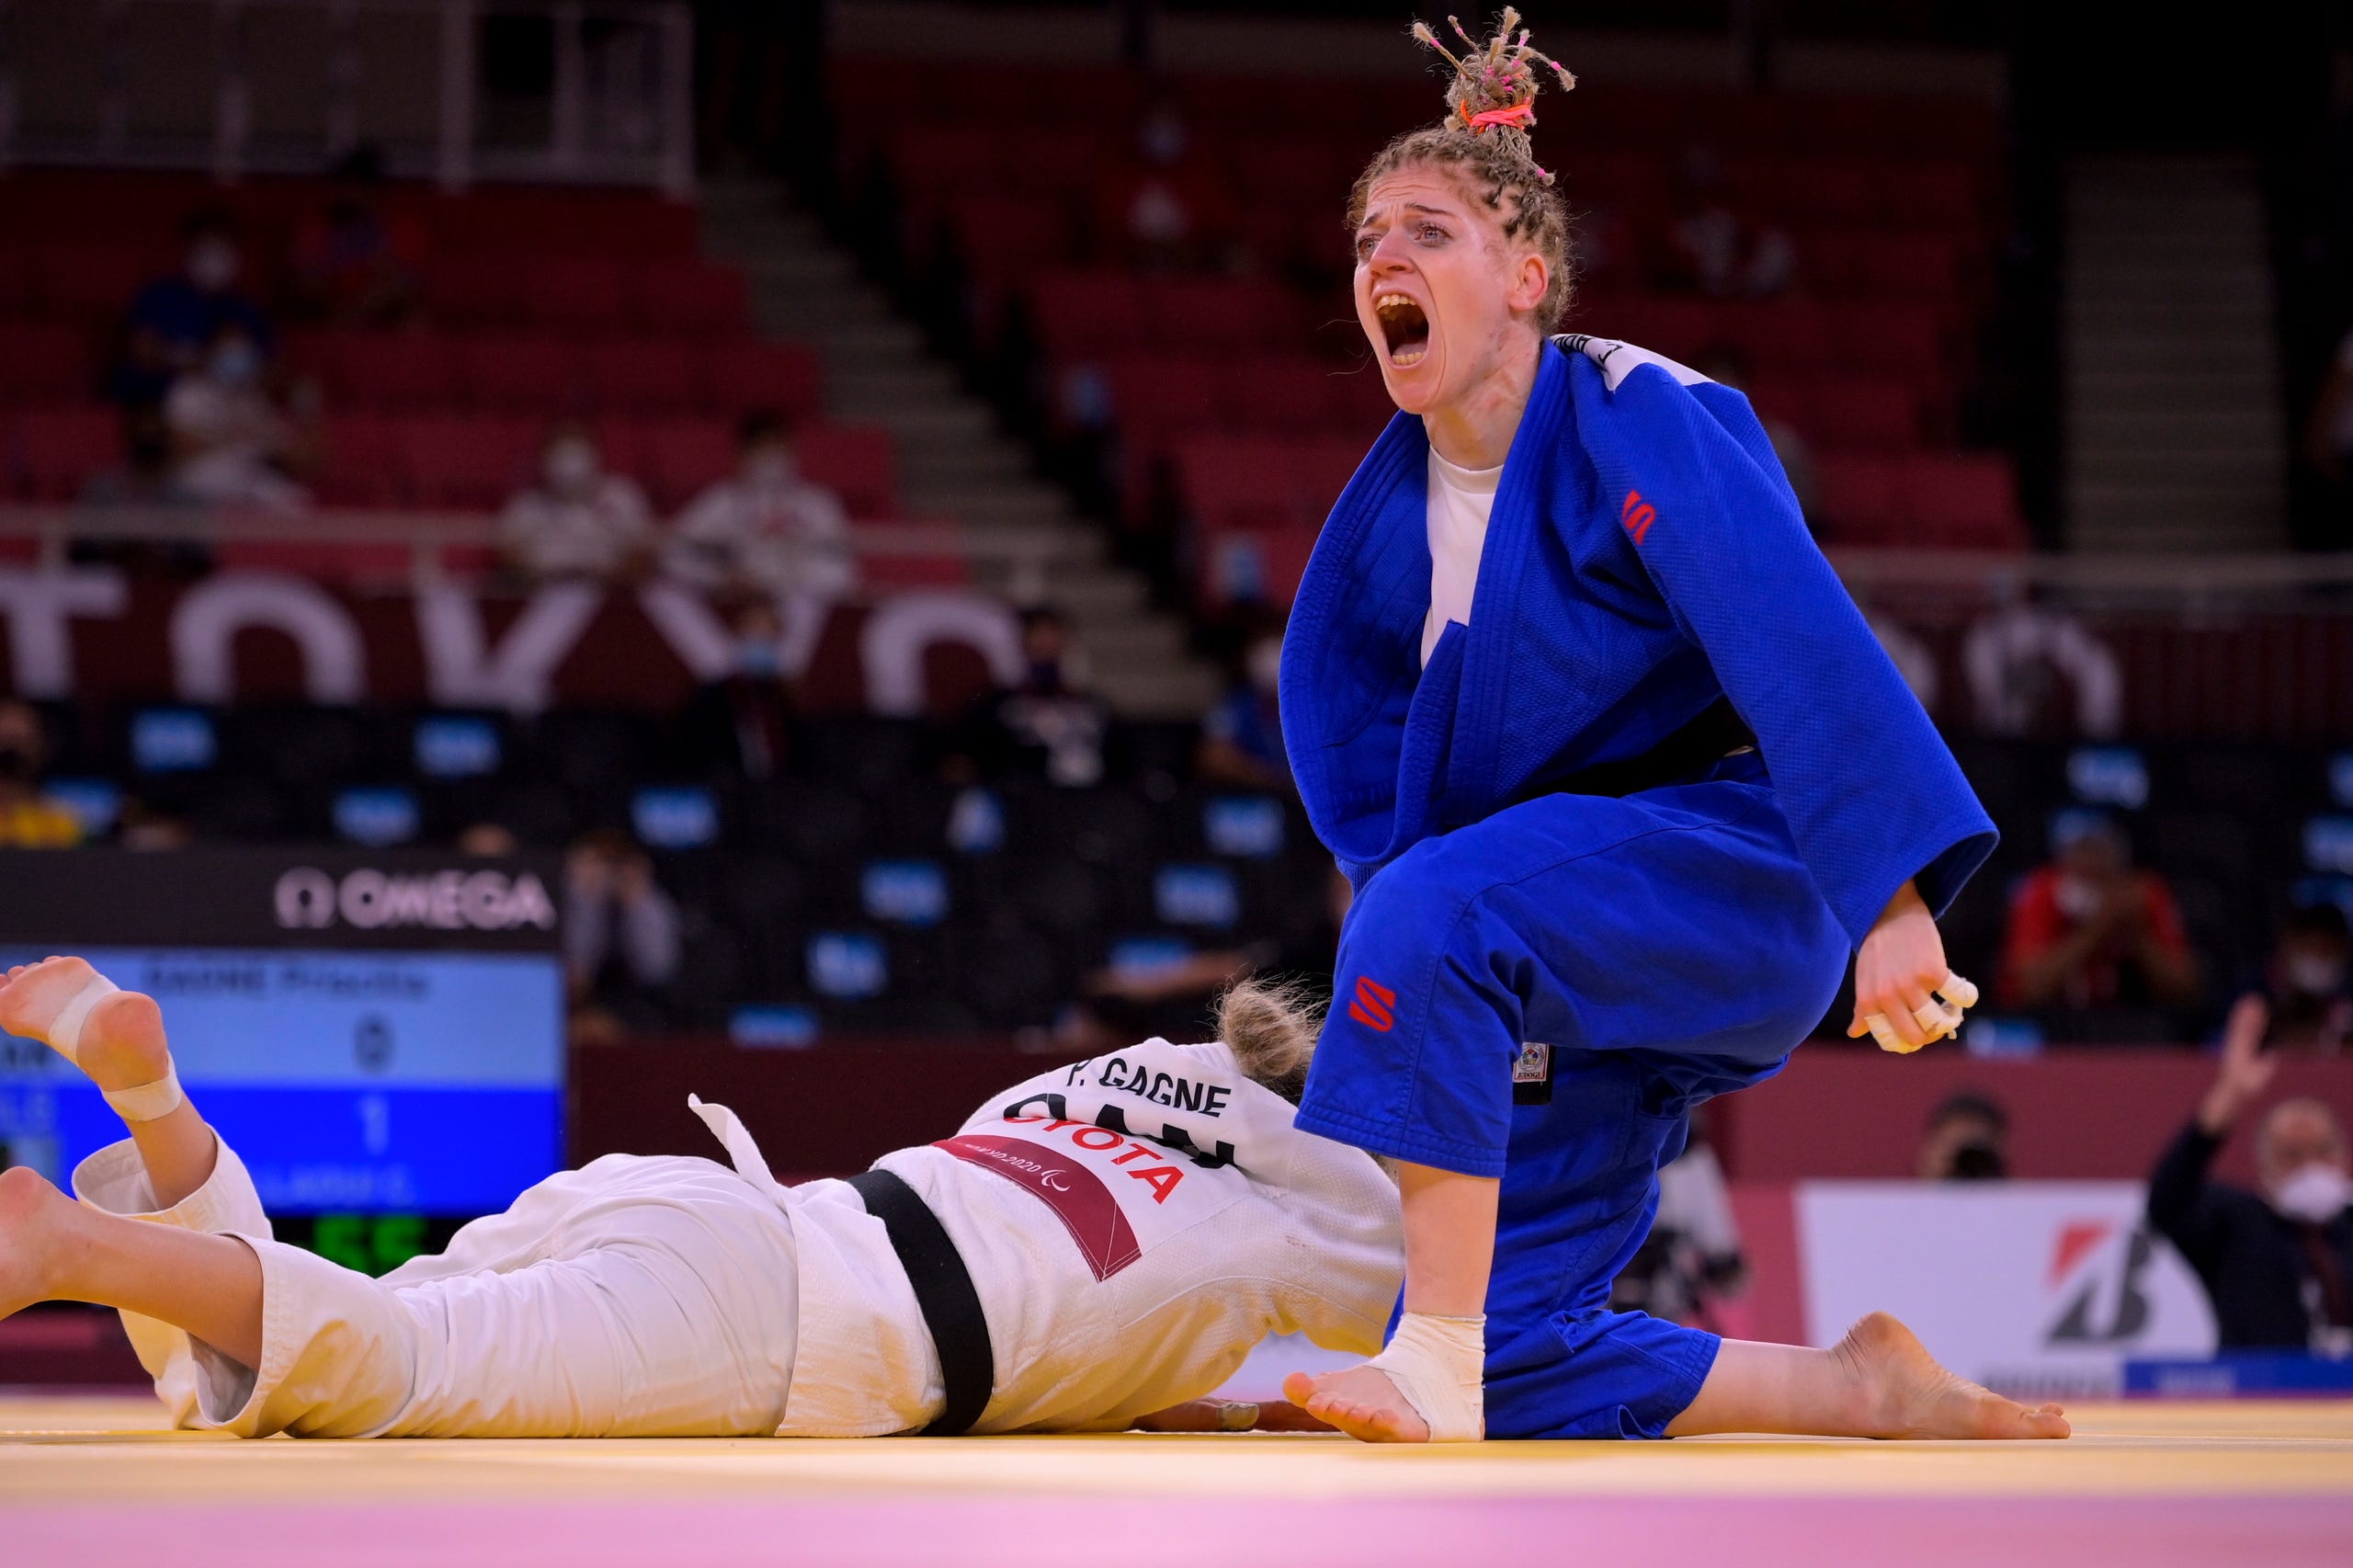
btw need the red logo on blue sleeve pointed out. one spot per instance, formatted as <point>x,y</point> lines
<point>1638,514</point>
<point>1373,1004</point>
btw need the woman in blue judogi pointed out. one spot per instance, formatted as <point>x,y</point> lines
<point>1623,781</point>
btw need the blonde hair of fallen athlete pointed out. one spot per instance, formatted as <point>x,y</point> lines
<point>211,1286</point>
<point>1463,265</point>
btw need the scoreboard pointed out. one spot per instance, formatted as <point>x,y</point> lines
<point>376,1033</point>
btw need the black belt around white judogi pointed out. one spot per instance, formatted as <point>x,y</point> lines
<point>950,1307</point>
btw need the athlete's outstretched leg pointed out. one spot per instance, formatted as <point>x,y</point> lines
<point>53,1249</point>
<point>119,1045</point>
<point>1878,1382</point>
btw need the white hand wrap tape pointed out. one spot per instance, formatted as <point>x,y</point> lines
<point>149,1102</point>
<point>1934,1021</point>
<point>65,1030</point>
<point>1440,1366</point>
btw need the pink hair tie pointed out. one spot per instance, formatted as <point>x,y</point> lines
<point>1521,116</point>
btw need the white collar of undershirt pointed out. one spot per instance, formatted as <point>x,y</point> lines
<point>1467,481</point>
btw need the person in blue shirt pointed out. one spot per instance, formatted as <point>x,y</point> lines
<point>175,320</point>
<point>1625,781</point>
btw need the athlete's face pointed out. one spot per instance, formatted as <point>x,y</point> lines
<point>1445,297</point>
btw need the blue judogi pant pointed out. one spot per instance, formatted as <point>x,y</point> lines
<point>1667,948</point>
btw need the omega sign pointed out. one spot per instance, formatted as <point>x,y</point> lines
<point>309,898</point>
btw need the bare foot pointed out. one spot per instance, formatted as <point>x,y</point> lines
<point>1360,1402</point>
<point>1906,1392</point>
<point>122,1044</point>
<point>28,1210</point>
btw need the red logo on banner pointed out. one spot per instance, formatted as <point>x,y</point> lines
<point>1076,1194</point>
<point>1371,1007</point>
<point>1638,514</point>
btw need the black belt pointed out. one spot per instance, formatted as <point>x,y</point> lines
<point>1716,733</point>
<point>951,1308</point>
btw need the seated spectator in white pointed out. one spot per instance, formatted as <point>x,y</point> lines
<point>1692,1258</point>
<point>176,319</point>
<point>1715,247</point>
<point>1051,724</point>
<point>746,724</point>
<point>2035,669</point>
<point>764,528</point>
<point>621,936</point>
<point>1242,737</point>
<point>2088,931</point>
<point>577,520</point>
<point>1968,1138</point>
<point>2311,1007</point>
<point>1728,367</point>
<point>232,444</point>
<point>29,817</point>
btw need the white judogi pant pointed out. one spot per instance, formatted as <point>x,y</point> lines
<point>634,1296</point>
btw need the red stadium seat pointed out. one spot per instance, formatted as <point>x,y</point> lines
<point>1861,413</point>
<point>643,374</point>
<point>1862,499</point>
<point>94,283</point>
<point>44,362</point>
<point>588,294</point>
<point>476,291</point>
<point>1903,337</point>
<point>855,462</point>
<point>1249,314</point>
<point>1286,395</point>
<point>470,464</point>
<point>322,560</point>
<point>691,298</point>
<point>392,370</point>
<point>63,447</point>
<point>365,461</point>
<point>780,376</point>
<point>676,457</point>
<point>1963,501</point>
<point>539,375</point>
<point>1090,315</point>
<point>18,295</point>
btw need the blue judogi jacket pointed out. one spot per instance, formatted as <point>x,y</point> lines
<point>1645,556</point>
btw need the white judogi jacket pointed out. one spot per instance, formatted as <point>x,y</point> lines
<point>1120,1273</point>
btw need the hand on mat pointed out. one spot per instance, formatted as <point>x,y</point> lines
<point>1899,972</point>
<point>1229,1416</point>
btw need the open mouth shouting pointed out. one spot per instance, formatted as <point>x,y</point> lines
<point>1405,326</point>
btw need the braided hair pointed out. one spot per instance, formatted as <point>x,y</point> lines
<point>1490,102</point>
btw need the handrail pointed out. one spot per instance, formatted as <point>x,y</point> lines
<point>456,155</point>
<point>429,534</point>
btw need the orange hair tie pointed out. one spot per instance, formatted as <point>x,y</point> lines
<point>1521,115</point>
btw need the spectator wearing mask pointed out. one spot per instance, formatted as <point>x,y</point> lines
<point>746,724</point>
<point>175,320</point>
<point>2311,1007</point>
<point>355,264</point>
<point>2088,931</point>
<point>576,521</point>
<point>1170,210</point>
<point>29,818</point>
<point>1242,737</point>
<point>2278,1264</point>
<point>231,444</point>
<point>1051,724</point>
<point>1968,1138</point>
<point>764,528</point>
<point>621,946</point>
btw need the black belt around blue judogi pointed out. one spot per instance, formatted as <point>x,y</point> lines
<point>950,1307</point>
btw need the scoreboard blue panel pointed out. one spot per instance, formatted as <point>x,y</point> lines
<point>374,1034</point>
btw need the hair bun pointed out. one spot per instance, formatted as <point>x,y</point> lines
<point>1495,86</point>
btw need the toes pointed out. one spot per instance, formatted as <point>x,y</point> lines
<point>1299,1387</point>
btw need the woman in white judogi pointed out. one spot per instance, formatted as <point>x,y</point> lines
<point>1132,1225</point>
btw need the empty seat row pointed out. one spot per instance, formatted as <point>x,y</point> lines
<point>555,375</point>
<point>681,296</point>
